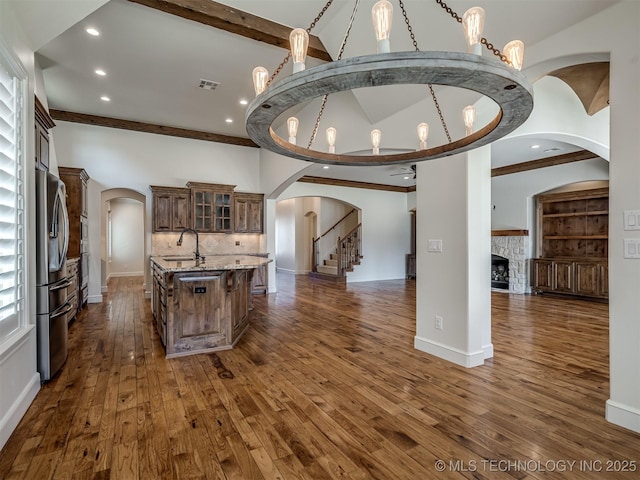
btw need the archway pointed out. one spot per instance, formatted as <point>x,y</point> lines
<point>127,202</point>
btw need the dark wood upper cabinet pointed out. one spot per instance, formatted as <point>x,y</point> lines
<point>171,209</point>
<point>249,212</point>
<point>211,207</point>
<point>43,124</point>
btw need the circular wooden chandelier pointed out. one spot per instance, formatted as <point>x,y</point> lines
<point>495,78</point>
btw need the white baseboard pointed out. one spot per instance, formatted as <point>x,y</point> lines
<point>488,351</point>
<point>623,415</point>
<point>285,270</point>
<point>465,359</point>
<point>147,294</point>
<point>104,289</point>
<point>94,299</point>
<point>125,274</point>
<point>16,411</point>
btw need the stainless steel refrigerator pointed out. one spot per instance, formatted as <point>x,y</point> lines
<point>52,240</point>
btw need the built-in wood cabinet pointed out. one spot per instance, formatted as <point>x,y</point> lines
<point>171,209</point>
<point>572,241</point>
<point>259,281</point>
<point>212,207</point>
<point>207,208</point>
<point>249,212</point>
<point>76,181</point>
<point>43,124</point>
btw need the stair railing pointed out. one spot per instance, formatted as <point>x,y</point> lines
<point>349,250</point>
<point>316,252</point>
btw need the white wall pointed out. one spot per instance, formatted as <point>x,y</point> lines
<point>386,227</point>
<point>286,235</point>
<point>127,237</point>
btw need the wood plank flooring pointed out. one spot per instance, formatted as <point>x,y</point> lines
<point>326,384</point>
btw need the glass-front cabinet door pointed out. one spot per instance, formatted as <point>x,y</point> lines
<point>203,210</point>
<point>223,212</point>
<point>212,207</point>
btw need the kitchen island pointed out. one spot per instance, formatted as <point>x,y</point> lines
<point>202,306</point>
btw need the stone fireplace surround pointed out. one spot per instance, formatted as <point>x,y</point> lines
<point>514,246</point>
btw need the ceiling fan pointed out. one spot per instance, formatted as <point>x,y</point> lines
<point>411,170</point>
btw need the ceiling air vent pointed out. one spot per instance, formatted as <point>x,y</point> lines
<point>208,84</point>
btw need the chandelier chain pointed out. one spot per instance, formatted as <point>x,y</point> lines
<point>315,127</point>
<point>311,27</point>
<point>415,45</point>
<point>406,20</point>
<point>483,40</point>
<point>325,98</point>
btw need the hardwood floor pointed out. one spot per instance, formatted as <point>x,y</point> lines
<point>326,384</point>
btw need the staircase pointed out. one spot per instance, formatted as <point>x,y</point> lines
<point>346,255</point>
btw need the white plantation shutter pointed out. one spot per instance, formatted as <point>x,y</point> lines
<point>11,198</point>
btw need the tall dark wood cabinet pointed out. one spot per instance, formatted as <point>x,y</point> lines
<point>249,212</point>
<point>43,124</point>
<point>76,181</point>
<point>573,243</point>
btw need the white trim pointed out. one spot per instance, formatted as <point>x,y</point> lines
<point>465,359</point>
<point>19,407</point>
<point>104,289</point>
<point>623,415</point>
<point>125,274</point>
<point>14,342</point>
<point>488,351</point>
<point>94,299</point>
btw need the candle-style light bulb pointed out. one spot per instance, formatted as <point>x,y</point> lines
<point>514,51</point>
<point>382,16</point>
<point>299,42</point>
<point>292,126</point>
<point>469,116</point>
<point>331,139</point>
<point>473,23</point>
<point>376,135</point>
<point>260,78</point>
<point>423,133</point>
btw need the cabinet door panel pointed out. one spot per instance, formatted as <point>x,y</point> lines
<point>180,212</point>
<point>587,278</point>
<point>162,213</point>
<point>563,273</point>
<point>543,274</point>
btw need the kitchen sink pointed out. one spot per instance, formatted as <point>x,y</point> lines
<point>179,259</point>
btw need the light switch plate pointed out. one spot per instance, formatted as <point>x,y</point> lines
<point>632,248</point>
<point>632,220</point>
<point>434,246</point>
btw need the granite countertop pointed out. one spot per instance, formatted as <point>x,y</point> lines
<point>173,263</point>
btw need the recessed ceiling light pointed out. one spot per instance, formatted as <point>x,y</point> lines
<point>243,101</point>
<point>552,149</point>
<point>104,98</point>
<point>535,146</point>
<point>92,31</point>
<point>100,72</point>
<point>228,120</point>
<point>406,178</point>
<point>326,167</point>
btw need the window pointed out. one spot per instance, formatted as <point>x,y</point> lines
<point>12,218</point>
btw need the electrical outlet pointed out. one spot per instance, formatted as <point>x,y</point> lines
<point>438,322</point>
<point>237,243</point>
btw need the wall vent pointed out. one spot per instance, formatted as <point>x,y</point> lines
<point>208,84</point>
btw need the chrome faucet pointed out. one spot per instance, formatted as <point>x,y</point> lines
<point>197,252</point>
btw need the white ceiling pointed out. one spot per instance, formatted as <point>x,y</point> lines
<point>154,62</point>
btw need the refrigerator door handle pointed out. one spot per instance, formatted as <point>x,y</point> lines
<point>61,286</point>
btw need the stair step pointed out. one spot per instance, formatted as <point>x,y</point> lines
<point>331,263</point>
<point>328,278</point>
<point>327,269</point>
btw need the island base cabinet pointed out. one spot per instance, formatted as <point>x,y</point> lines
<point>240,293</point>
<point>199,315</point>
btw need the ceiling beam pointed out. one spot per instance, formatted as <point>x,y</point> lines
<point>235,21</point>
<point>351,183</point>
<point>544,162</point>
<point>148,128</point>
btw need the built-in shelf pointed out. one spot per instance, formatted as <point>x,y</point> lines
<point>510,233</point>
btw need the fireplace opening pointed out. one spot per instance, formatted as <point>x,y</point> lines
<point>499,272</point>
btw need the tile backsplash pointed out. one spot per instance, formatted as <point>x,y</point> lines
<point>210,243</point>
